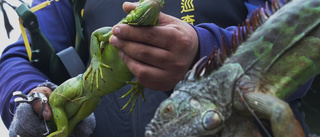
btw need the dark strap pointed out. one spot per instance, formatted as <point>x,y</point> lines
<point>44,56</point>
<point>71,61</point>
<point>7,24</point>
<point>81,43</point>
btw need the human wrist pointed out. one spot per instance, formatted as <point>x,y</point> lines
<point>206,41</point>
<point>45,88</point>
<point>49,85</point>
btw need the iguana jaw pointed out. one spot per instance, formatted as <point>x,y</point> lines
<point>202,118</point>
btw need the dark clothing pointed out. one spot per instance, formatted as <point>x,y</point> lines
<point>57,23</point>
<point>123,123</point>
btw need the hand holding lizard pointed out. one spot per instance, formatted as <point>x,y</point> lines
<point>158,56</point>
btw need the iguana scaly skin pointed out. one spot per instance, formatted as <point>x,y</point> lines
<point>77,98</point>
<point>279,56</point>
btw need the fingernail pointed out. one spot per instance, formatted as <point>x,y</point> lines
<point>116,31</point>
<point>113,41</point>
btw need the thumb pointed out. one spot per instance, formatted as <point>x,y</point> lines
<point>47,114</point>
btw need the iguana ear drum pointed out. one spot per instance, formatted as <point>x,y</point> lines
<point>211,120</point>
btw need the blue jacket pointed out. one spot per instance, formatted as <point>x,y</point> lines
<point>57,23</point>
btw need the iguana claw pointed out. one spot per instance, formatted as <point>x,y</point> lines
<point>135,92</point>
<point>94,71</point>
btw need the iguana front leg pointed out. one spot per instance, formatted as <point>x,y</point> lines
<point>78,97</point>
<point>135,92</point>
<point>277,111</point>
<point>72,101</point>
<point>99,39</point>
<point>99,43</point>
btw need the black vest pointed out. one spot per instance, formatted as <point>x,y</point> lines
<point>224,13</point>
<point>101,13</point>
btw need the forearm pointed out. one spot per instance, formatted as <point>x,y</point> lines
<point>16,74</point>
<point>210,36</point>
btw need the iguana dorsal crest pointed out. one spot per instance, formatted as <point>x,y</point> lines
<point>244,31</point>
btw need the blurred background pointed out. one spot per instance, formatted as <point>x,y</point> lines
<point>6,39</point>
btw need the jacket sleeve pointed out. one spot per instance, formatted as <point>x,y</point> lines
<point>16,72</point>
<point>210,35</point>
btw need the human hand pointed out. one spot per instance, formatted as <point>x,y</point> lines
<point>47,114</point>
<point>159,56</point>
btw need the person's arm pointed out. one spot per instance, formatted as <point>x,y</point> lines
<point>160,56</point>
<point>16,72</point>
<point>210,36</point>
<point>159,66</point>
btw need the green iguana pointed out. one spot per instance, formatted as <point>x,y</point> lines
<point>77,98</point>
<point>278,57</point>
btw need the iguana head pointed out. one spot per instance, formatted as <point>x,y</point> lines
<point>199,104</point>
<point>185,115</point>
<point>146,13</point>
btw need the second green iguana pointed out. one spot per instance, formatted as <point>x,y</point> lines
<point>223,99</point>
<point>78,97</point>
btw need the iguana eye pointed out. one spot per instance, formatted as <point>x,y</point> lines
<point>168,109</point>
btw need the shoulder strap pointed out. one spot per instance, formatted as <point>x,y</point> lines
<point>43,56</point>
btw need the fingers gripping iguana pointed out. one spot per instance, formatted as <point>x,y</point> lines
<point>270,65</point>
<point>77,98</point>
